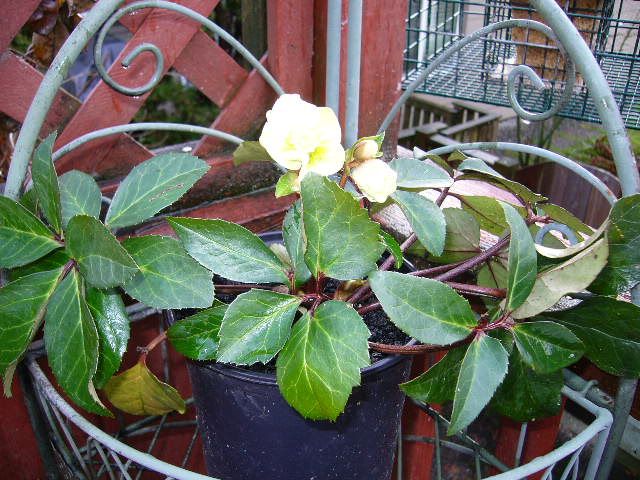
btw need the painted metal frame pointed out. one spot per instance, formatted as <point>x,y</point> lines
<point>105,13</point>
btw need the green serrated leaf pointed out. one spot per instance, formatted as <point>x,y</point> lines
<point>610,331</point>
<point>471,164</point>
<point>29,200</point>
<point>393,247</point>
<point>23,237</point>
<point>286,184</point>
<point>45,182</point>
<point>320,363</point>
<point>139,392</point>
<point>71,340</point>
<point>564,217</point>
<point>51,261</point>
<point>489,213</point>
<point>250,152</point>
<point>22,306</point>
<point>101,259</point>
<point>79,195</point>
<point>229,250</point>
<point>414,173</point>
<point>462,238</point>
<point>197,337</point>
<point>483,369</point>
<point>573,275</point>
<point>523,260</point>
<point>436,159</point>
<point>342,242</point>
<point>168,276</point>
<point>547,346</point>
<point>426,219</point>
<point>438,384</point>
<point>493,274</point>
<point>296,242</point>
<point>152,186</point>
<point>112,323</point>
<point>256,326</point>
<point>623,234</point>
<point>526,395</point>
<point>426,309</point>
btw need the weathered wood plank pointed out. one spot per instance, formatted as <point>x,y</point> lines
<point>14,16</point>
<point>290,40</point>
<point>19,82</point>
<point>210,69</point>
<point>104,107</point>
<point>243,115</point>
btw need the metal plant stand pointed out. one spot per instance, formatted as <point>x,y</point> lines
<point>89,452</point>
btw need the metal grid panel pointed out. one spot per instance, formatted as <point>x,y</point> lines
<point>479,72</point>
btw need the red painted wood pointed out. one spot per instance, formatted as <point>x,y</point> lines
<point>104,107</point>
<point>19,82</point>
<point>290,42</point>
<point>210,69</point>
<point>20,458</point>
<point>381,64</point>
<point>243,116</point>
<point>540,440</point>
<point>14,16</point>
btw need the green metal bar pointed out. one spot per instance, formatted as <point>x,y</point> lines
<point>46,93</point>
<point>354,39</point>
<point>334,36</point>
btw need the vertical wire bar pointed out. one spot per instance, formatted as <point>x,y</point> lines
<point>399,455</point>
<point>103,456</point>
<point>520,447</point>
<point>353,71</point>
<point>72,443</point>
<point>334,39</point>
<point>438,450</point>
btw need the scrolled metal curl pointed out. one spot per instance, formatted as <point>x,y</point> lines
<point>157,53</point>
<point>520,70</point>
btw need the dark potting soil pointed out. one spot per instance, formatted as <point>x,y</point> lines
<point>381,328</point>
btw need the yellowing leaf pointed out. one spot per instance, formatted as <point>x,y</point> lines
<point>139,392</point>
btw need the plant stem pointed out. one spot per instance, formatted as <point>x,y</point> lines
<point>144,351</point>
<point>475,261</point>
<point>415,349</point>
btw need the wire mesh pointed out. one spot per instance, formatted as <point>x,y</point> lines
<point>479,72</point>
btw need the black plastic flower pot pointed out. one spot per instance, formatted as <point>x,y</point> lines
<point>250,432</point>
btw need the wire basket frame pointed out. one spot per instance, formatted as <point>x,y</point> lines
<point>92,453</point>
<point>480,71</point>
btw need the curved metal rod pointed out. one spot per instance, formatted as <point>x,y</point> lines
<point>149,47</point>
<point>541,152</point>
<point>521,70</point>
<point>144,459</point>
<point>135,127</point>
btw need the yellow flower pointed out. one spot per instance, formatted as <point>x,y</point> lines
<point>375,179</point>
<point>300,136</point>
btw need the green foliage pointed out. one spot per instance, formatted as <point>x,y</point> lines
<point>167,277</point>
<point>320,363</point>
<point>414,173</point>
<point>462,238</point>
<point>103,262</point>
<point>489,213</point>
<point>483,368</point>
<point>152,186</point>
<point>197,337</point>
<point>256,326</point>
<point>522,259</point>
<point>438,384</point>
<point>429,311</point>
<point>71,339</point>
<point>229,250</point>
<point>286,184</point>
<point>45,183</point>
<point>250,152</point>
<point>79,195</point>
<point>296,242</point>
<point>342,242</point>
<point>610,331</point>
<point>622,271</point>
<point>547,346</point>
<point>24,238</point>
<point>426,219</point>
<point>393,247</point>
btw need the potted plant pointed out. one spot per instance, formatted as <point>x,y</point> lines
<point>298,307</point>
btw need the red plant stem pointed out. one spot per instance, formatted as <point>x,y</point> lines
<point>427,272</point>
<point>416,349</point>
<point>150,346</point>
<point>475,261</point>
<point>246,286</point>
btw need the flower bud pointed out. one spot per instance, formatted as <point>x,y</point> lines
<point>375,179</point>
<point>365,150</point>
